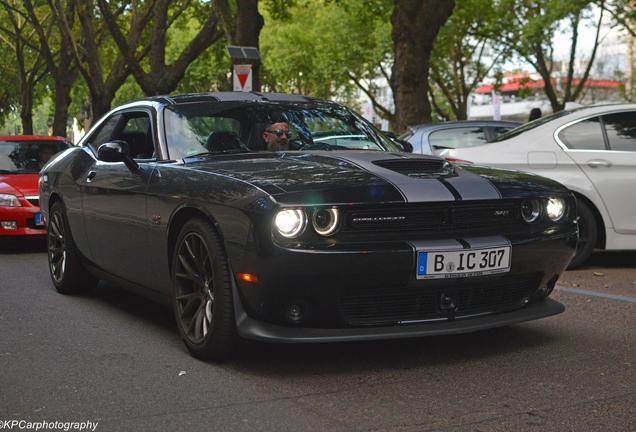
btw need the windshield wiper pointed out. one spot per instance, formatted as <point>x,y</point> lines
<point>215,153</point>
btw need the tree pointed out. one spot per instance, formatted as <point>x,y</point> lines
<point>339,47</point>
<point>416,24</point>
<point>242,26</point>
<point>161,78</point>
<point>465,51</point>
<point>532,35</point>
<point>91,49</point>
<point>15,32</point>
<point>56,49</point>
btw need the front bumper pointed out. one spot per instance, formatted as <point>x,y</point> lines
<point>372,291</point>
<point>255,330</point>
<point>24,217</point>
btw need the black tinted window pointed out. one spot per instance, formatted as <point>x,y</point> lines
<point>27,157</point>
<point>621,130</point>
<point>457,138</point>
<point>104,133</point>
<point>584,135</point>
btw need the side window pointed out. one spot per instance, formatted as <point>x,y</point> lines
<point>104,133</point>
<point>621,130</point>
<point>457,138</point>
<point>584,135</point>
<point>137,132</point>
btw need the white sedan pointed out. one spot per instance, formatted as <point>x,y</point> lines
<point>592,151</point>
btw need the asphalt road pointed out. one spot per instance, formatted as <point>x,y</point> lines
<point>115,358</point>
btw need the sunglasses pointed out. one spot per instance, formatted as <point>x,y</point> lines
<point>279,132</point>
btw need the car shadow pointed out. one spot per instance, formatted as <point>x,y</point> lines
<point>22,245</point>
<point>355,357</point>
<point>286,360</point>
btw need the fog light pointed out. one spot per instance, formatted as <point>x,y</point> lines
<point>555,208</point>
<point>9,225</point>
<point>294,313</point>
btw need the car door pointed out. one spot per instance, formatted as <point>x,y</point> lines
<point>114,198</point>
<point>612,167</point>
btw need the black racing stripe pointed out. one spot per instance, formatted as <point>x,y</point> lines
<point>464,243</point>
<point>450,188</point>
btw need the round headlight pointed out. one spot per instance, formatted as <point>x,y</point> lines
<point>325,221</point>
<point>555,208</point>
<point>290,223</point>
<point>530,210</point>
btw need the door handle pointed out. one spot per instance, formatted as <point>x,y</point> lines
<point>599,163</point>
<point>91,175</point>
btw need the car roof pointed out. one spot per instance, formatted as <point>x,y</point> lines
<point>231,97</point>
<point>31,138</point>
<point>461,123</point>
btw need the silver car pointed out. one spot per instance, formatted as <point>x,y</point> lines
<point>592,151</point>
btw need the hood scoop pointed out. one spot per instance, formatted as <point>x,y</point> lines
<point>417,168</point>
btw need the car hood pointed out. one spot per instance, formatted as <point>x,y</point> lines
<point>361,176</point>
<point>19,184</point>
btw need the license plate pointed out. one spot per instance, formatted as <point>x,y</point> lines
<point>462,263</point>
<point>39,221</point>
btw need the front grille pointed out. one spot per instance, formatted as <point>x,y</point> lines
<point>438,218</point>
<point>35,200</point>
<point>31,224</point>
<point>388,306</point>
<point>420,168</point>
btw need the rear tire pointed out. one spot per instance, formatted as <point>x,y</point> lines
<point>202,292</point>
<point>588,234</point>
<point>66,269</point>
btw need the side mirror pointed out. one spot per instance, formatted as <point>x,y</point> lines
<point>117,151</point>
<point>406,146</point>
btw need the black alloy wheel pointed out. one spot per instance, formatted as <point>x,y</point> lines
<point>67,271</point>
<point>57,247</point>
<point>202,297</point>
<point>588,234</point>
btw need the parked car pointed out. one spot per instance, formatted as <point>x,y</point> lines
<point>21,158</point>
<point>339,240</point>
<point>592,151</point>
<point>434,138</point>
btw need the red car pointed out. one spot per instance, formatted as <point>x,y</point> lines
<point>21,159</point>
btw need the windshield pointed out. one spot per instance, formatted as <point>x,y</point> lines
<point>209,127</point>
<point>27,157</point>
<point>530,125</point>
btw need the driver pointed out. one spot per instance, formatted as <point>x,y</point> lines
<point>276,137</point>
<point>45,153</point>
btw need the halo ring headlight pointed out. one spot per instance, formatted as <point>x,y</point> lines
<point>530,210</point>
<point>290,223</point>
<point>555,208</point>
<point>326,221</point>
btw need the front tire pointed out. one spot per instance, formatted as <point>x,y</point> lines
<point>67,272</point>
<point>588,234</point>
<point>202,292</point>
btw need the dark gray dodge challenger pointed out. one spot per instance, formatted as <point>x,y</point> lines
<point>339,237</point>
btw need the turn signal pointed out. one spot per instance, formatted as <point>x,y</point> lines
<point>247,277</point>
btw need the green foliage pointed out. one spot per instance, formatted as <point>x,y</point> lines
<point>321,44</point>
<point>465,51</point>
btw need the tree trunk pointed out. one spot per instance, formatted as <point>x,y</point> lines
<point>100,105</point>
<point>62,102</point>
<point>247,31</point>
<point>26,111</point>
<point>415,27</point>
